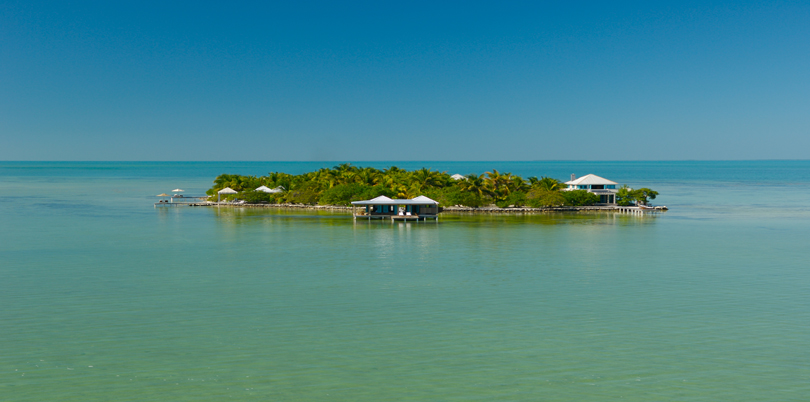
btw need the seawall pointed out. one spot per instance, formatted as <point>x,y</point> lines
<point>455,209</point>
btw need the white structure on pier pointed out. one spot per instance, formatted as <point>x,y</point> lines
<point>604,188</point>
<point>382,207</point>
<point>266,189</point>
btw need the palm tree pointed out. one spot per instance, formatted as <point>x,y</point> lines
<point>225,180</point>
<point>497,184</point>
<point>548,184</point>
<point>345,167</point>
<point>326,178</point>
<point>516,183</point>
<point>473,184</point>
<point>423,178</point>
<point>369,176</point>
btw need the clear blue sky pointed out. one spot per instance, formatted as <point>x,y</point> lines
<point>404,80</point>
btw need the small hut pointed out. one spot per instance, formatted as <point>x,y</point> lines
<point>226,190</point>
<point>382,207</point>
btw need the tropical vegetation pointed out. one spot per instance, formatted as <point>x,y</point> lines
<point>345,183</point>
<point>627,196</point>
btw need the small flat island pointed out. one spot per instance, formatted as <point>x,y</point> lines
<point>395,193</point>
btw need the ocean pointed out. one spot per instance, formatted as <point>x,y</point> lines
<point>105,297</point>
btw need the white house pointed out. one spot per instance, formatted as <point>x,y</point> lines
<point>604,188</point>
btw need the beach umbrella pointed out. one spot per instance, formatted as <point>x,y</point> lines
<point>266,189</point>
<point>226,190</point>
<point>162,195</point>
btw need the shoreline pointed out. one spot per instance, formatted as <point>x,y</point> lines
<point>454,209</point>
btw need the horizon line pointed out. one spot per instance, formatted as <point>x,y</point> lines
<point>410,161</point>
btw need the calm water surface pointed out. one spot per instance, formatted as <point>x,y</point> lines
<point>106,298</point>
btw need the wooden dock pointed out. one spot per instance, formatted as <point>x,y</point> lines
<point>406,218</point>
<point>395,218</point>
<point>178,204</point>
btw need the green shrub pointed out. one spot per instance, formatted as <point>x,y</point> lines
<point>627,196</point>
<point>341,194</point>
<point>624,196</point>
<point>308,194</point>
<point>541,197</point>
<point>641,195</point>
<point>344,194</point>
<point>370,192</point>
<point>453,195</point>
<point>255,197</point>
<point>580,198</point>
<point>515,198</point>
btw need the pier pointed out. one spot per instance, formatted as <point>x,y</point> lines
<point>184,200</point>
<point>406,218</point>
<point>639,210</point>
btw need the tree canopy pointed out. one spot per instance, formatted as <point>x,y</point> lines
<point>627,196</point>
<point>344,183</point>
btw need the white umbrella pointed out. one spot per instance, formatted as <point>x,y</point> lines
<point>266,189</point>
<point>226,190</point>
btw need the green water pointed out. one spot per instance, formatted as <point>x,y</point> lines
<point>105,297</point>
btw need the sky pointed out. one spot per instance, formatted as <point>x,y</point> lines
<point>397,81</point>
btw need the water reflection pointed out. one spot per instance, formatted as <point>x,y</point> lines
<point>554,218</point>
<point>491,239</point>
<point>242,215</point>
<point>252,216</point>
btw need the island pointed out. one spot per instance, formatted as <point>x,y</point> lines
<point>345,185</point>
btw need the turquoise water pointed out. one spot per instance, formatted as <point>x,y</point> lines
<point>106,298</point>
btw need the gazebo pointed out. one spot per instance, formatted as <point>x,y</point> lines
<point>226,190</point>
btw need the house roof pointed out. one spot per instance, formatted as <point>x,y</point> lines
<point>383,200</point>
<point>590,179</point>
<point>423,200</point>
